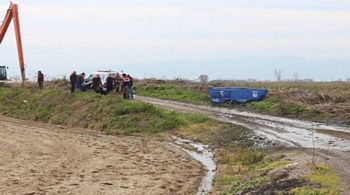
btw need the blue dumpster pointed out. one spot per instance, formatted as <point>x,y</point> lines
<point>220,95</point>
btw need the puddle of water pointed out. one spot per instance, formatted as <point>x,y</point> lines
<point>304,137</point>
<point>276,119</point>
<point>205,156</point>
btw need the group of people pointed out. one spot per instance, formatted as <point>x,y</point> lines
<point>120,83</point>
<point>77,81</point>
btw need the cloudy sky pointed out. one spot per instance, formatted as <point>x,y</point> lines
<point>231,39</point>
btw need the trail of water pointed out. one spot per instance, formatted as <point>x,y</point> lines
<point>204,155</point>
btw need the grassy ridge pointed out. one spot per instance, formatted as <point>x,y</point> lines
<point>173,92</point>
<point>276,106</point>
<point>111,113</point>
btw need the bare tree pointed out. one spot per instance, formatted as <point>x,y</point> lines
<point>203,78</point>
<point>278,74</point>
<point>296,76</point>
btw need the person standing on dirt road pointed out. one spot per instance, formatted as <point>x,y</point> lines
<point>73,81</point>
<point>40,79</point>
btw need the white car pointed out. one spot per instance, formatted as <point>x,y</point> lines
<point>103,75</point>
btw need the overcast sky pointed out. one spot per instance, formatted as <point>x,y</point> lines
<point>177,38</point>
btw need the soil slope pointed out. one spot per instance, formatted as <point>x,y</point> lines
<point>38,158</point>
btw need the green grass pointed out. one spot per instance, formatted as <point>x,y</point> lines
<point>326,177</point>
<point>277,106</point>
<point>240,187</point>
<point>241,156</point>
<point>242,168</point>
<point>172,92</point>
<point>112,114</point>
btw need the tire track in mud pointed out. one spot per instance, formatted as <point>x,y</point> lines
<point>39,158</point>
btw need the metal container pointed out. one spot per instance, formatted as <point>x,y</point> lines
<point>220,95</point>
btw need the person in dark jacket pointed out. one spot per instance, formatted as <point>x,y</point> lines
<point>97,83</point>
<point>131,92</point>
<point>126,87</point>
<point>109,83</point>
<point>73,81</point>
<point>40,80</point>
<point>80,81</point>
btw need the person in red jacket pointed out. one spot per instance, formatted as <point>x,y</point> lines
<point>126,86</point>
<point>40,80</point>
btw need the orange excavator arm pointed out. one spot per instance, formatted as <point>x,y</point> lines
<point>12,14</point>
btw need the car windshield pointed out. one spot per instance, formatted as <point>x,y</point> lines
<point>90,77</point>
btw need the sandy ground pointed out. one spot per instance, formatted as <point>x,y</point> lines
<point>38,158</point>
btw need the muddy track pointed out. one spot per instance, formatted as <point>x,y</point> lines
<point>332,145</point>
<point>38,158</point>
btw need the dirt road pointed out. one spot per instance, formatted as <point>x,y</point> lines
<point>291,132</point>
<point>38,158</point>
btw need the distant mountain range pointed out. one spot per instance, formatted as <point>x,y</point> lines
<point>257,68</point>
